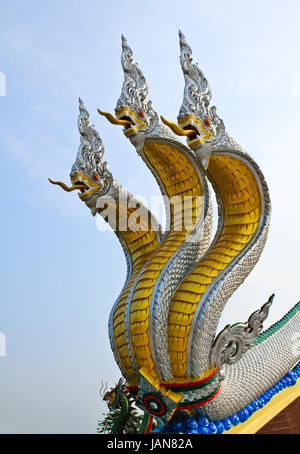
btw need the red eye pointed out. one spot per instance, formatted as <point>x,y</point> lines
<point>95,176</point>
<point>207,121</point>
<point>141,113</point>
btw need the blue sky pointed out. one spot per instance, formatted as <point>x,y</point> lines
<point>60,275</point>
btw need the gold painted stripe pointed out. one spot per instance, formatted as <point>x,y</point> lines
<point>241,204</point>
<point>179,178</point>
<point>141,245</point>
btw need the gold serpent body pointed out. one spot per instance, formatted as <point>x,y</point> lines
<point>241,203</point>
<point>140,244</point>
<point>180,179</point>
<point>241,213</point>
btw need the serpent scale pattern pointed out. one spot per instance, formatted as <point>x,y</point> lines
<point>241,204</point>
<point>180,179</point>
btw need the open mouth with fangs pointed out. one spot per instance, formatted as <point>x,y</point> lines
<point>191,128</point>
<point>81,186</point>
<point>80,182</point>
<point>197,132</point>
<point>129,122</point>
<point>126,118</point>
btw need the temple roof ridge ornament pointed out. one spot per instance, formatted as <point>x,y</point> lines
<point>235,340</point>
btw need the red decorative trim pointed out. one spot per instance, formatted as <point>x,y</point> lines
<point>190,383</point>
<point>149,425</point>
<point>132,387</point>
<point>198,404</point>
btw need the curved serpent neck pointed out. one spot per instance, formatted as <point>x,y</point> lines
<point>179,176</point>
<point>136,228</point>
<point>139,241</point>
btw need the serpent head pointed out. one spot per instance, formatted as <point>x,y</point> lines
<point>89,172</point>
<point>113,397</point>
<point>197,119</point>
<point>133,111</point>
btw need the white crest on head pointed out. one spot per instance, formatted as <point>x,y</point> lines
<point>135,88</point>
<point>197,94</point>
<point>91,151</point>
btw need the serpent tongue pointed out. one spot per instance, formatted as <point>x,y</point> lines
<point>67,188</point>
<point>114,120</point>
<point>177,129</point>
